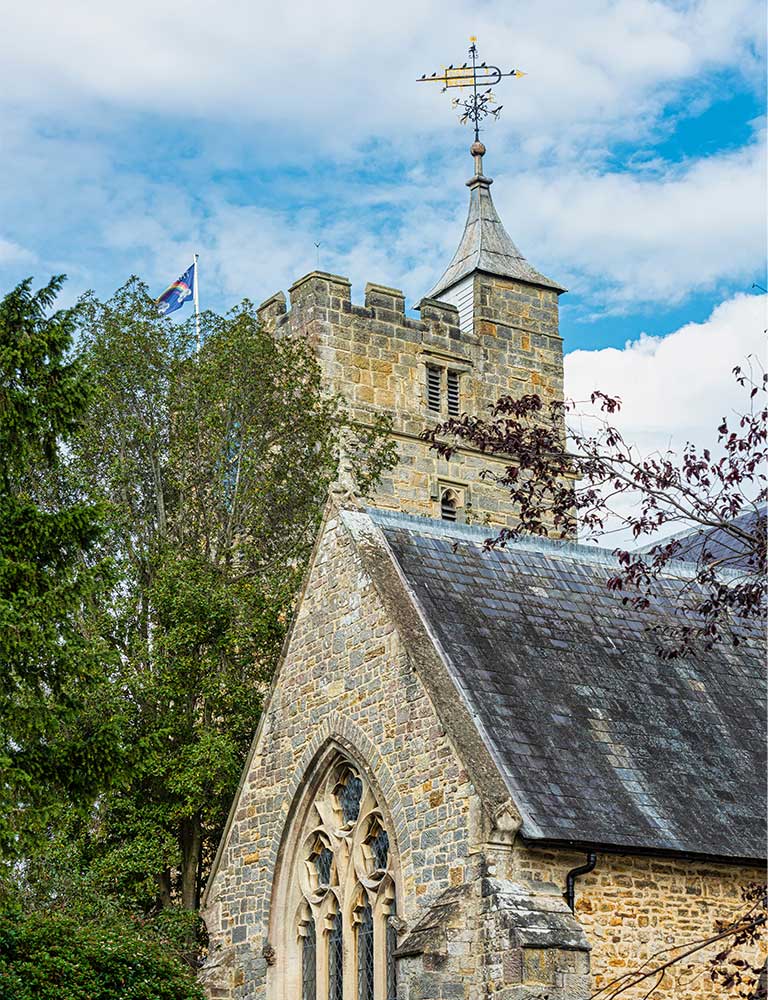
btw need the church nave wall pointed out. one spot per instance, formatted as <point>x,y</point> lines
<point>632,907</point>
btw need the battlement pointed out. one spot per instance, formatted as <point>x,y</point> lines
<point>323,297</point>
<point>420,371</point>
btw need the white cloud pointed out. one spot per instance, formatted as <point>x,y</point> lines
<point>12,252</point>
<point>655,236</point>
<point>346,71</point>
<point>675,389</point>
<point>87,89</point>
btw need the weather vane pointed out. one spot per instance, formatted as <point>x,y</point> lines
<point>477,75</point>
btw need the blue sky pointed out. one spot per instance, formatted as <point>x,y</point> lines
<point>628,163</point>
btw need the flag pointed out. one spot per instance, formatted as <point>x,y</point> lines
<point>177,293</point>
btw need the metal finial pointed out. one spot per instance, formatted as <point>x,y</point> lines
<point>478,106</point>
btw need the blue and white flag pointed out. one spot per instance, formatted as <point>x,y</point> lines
<point>176,294</point>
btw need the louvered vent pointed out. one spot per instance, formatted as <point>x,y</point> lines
<point>433,388</point>
<point>453,394</point>
<point>448,505</point>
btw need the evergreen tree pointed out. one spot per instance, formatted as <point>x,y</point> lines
<point>54,753</point>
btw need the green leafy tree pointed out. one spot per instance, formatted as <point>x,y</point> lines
<point>54,752</point>
<point>57,956</point>
<point>216,468</point>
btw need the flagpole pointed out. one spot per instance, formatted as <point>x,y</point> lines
<point>197,303</point>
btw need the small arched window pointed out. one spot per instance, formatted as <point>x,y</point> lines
<point>336,958</point>
<point>309,962</point>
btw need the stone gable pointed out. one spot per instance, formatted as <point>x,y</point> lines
<point>346,678</point>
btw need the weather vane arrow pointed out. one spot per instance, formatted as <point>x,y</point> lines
<point>477,76</point>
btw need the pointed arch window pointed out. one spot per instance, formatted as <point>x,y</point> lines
<point>449,503</point>
<point>342,884</point>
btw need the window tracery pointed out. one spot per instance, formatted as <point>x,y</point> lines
<point>344,880</point>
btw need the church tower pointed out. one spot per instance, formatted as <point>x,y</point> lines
<point>488,328</point>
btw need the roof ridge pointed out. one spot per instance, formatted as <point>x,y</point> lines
<point>577,551</point>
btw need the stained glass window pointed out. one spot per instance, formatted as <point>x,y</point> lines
<point>391,962</point>
<point>365,954</point>
<point>346,868</point>
<point>309,963</point>
<point>323,862</point>
<point>336,960</point>
<point>349,798</point>
<point>380,849</point>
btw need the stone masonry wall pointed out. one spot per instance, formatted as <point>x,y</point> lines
<point>632,906</point>
<point>524,318</point>
<point>345,676</point>
<point>376,357</point>
<point>496,940</point>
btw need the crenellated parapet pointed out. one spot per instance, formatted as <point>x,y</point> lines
<point>420,371</point>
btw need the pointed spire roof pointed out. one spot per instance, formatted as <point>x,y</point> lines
<point>485,244</point>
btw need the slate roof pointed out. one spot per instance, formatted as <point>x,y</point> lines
<point>486,246</point>
<point>599,741</point>
<point>715,542</point>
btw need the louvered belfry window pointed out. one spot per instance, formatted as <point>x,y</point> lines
<point>434,386</point>
<point>454,406</point>
<point>443,390</point>
<point>448,505</point>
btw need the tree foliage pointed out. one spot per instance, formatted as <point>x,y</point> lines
<point>58,956</point>
<point>54,753</point>
<point>63,936</point>
<point>596,482</point>
<point>215,468</point>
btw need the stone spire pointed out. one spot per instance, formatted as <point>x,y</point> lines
<point>485,245</point>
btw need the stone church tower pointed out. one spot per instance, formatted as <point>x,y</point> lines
<point>488,328</point>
